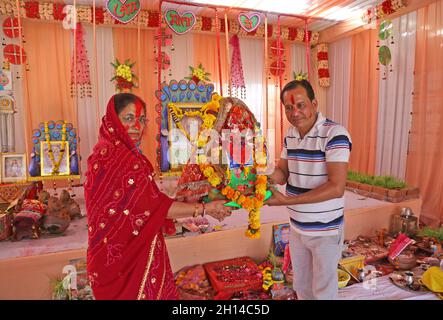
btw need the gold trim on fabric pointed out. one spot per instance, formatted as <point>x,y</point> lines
<point>148,267</point>
<point>163,278</point>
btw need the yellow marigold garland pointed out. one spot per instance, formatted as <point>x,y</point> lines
<point>207,118</point>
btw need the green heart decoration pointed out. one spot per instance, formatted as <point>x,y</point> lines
<point>384,55</point>
<point>249,21</point>
<point>123,10</point>
<point>180,23</point>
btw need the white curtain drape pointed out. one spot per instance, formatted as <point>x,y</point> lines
<point>252,55</point>
<point>298,58</point>
<point>87,113</point>
<point>395,100</point>
<point>337,107</point>
<point>182,57</point>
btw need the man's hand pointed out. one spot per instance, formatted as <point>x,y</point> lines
<point>277,199</point>
<point>217,210</point>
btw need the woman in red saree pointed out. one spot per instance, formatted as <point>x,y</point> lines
<point>127,256</point>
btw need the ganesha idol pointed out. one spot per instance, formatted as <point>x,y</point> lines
<point>229,161</point>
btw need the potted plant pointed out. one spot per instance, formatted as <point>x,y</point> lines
<point>434,235</point>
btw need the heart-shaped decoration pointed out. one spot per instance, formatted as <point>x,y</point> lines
<point>180,23</point>
<point>123,10</point>
<point>249,21</point>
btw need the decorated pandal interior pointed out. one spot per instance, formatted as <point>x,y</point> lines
<point>389,252</point>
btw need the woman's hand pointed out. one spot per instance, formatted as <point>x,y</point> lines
<point>217,210</point>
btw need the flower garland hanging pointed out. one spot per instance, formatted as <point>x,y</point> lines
<point>43,11</point>
<point>55,165</point>
<point>124,76</point>
<point>323,65</point>
<point>251,203</point>
<point>382,10</point>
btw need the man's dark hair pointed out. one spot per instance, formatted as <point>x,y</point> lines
<point>121,100</point>
<point>298,83</point>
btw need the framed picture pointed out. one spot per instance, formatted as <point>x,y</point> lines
<point>13,167</point>
<point>5,80</point>
<point>281,238</point>
<point>58,163</point>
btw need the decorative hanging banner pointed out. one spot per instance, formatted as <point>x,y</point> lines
<point>180,23</point>
<point>277,67</point>
<point>237,78</point>
<point>249,21</point>
<point>12,53</point>
<point>123,10</point>
<point>80,76</point>
<point>166,37</point>
<point>11,27</point>
<point>166,61</point>
<point>384,52</point>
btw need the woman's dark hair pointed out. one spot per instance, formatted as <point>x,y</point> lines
<point>121,100</point>
<point>299,83</point>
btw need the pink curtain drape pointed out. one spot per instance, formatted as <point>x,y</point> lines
<point>127,45</point>
<point>47,83</point>
<point>425,154</point>
<point>363,101</point>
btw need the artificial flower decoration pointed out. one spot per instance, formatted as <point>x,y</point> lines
<point>300,76</point>
<point>198,74</point>
<point>124,76</point>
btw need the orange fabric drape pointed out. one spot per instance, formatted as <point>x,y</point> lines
<point>423,168</point>
<point>205,52</point>
<point>363,101</point>
<point>47,83</point>
<point>125,47</point>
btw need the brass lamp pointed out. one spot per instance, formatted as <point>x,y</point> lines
<point>405,222</point>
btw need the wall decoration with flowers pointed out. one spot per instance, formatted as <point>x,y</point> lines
<point>124,77</point>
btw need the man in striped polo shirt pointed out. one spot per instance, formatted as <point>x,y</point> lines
<point>313,165</point>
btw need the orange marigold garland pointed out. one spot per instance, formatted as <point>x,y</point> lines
<point>252,203</point>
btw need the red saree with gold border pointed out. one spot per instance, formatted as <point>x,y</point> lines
<point>127,256</point>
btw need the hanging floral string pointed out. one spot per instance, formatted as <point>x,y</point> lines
<point>80,82</point>
<point>151,19</point>
<point>237,78</point>
<point>323,65</point>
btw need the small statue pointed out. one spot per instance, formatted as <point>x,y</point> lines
<point>70,204</point>
<point>57,217</point>
<point>44,196</point>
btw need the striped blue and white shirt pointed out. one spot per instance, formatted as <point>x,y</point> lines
<point>327,141</point>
